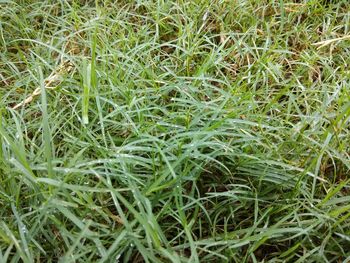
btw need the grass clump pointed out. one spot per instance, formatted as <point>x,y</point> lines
<point>174,131</point>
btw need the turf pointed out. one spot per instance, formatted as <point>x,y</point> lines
<point>174,131</point>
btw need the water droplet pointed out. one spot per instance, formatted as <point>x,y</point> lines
<point>205,15</point>
<point>24,229</point>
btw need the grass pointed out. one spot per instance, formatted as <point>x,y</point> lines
<point>174,131</point>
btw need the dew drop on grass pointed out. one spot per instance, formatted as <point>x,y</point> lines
<point>205,16</point>
<point>24,229</point>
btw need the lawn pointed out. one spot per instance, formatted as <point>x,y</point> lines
<point>174,131</point>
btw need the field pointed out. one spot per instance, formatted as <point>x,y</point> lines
<point>174,131</point>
